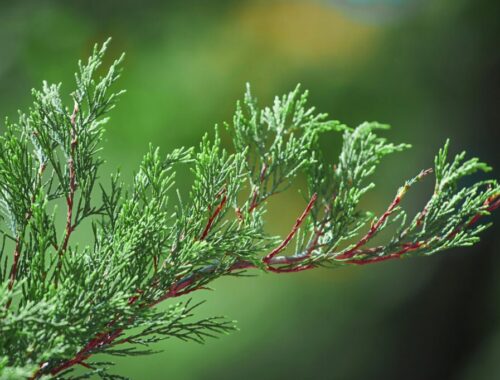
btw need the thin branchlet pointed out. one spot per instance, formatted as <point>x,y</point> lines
<point>63,302</point>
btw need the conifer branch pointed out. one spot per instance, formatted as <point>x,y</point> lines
<point>62,303</point>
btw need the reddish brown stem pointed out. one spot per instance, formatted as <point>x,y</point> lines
<point>214,215</point>
<point>255,197</point>
<point>290,262</point>
<point>287,264</point>
<point>291,269</point>
<point>294,230</point>
<point>253,203</point>
<point>408,247</point>
<point>373,229</point>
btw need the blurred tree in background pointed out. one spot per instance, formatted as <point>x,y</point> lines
<point>429,68</point>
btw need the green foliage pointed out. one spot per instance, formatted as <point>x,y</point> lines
<point>62,303</point>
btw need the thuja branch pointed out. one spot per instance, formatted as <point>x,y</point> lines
<point>70,301</point>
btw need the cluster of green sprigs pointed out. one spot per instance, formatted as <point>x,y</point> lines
<point>279,141</point>
<point>337,216</point>
<point>62,303</point>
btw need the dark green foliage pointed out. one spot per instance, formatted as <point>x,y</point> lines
<point>61,303</point>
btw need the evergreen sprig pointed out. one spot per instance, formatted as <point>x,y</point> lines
<point>62,303</point>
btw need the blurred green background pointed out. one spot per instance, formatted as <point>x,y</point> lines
<point>430,68</point>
